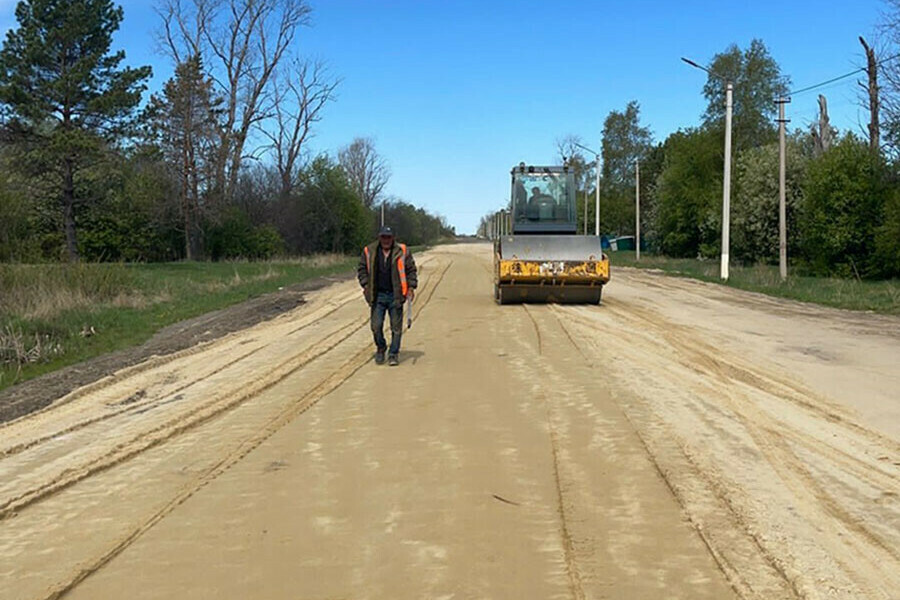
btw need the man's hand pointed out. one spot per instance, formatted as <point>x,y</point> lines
<point>411,295</point>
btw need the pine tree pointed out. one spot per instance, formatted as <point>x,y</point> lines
<point>65,94</point>
<point>183,122</point>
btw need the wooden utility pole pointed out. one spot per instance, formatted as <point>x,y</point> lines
<point>872,90</point>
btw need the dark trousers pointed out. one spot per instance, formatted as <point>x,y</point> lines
<point>384,302</point>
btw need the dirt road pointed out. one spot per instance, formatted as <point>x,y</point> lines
<point>682,441</point>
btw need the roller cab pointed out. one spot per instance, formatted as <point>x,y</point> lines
<point>544,260</point>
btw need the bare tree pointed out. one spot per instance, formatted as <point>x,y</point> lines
<point>888,44</point>
<point>243,43</point>
<point>872,92</point>
<point>300,95</point>
<point>568,151</point>
<point>367,171</point>
<point>822,131</point>
<point>181,34</point>
<point>567,146</point>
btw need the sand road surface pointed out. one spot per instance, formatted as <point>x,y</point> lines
<point>683,440</point>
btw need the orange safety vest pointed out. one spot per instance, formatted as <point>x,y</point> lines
<point>401,267</point>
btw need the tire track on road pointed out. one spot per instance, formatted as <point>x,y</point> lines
<point>704,358</point>
<point>161,432</point>
<point>732,574</point>
<point>170,429</point>
<point>537,331</point>
<point>331,383</point>
<point>138,406</point>
<point>338,377</point>
<point>684,340</point>
<point>858,547</point>
<point>159,361</point>
<point>573,574</point>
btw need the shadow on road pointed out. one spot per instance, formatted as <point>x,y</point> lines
<point>410,356</point>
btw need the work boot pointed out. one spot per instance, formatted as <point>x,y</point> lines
<point>393,361</point>
<point>379,357</point>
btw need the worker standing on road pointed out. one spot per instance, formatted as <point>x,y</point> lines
<point>387,274</point>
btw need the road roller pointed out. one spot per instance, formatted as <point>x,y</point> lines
<point>542,258</point>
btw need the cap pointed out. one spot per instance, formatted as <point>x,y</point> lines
<point>386,231</point>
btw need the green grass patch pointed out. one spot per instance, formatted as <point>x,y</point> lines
<point>47,312</point>
<point>876,296</point>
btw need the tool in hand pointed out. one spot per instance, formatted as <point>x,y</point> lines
<point>409,313</point>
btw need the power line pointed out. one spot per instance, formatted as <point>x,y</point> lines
<point>840,77</point>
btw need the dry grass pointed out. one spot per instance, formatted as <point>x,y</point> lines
<point>46,291</point>
<point>19,349</point>
<point>316,261</point>
<point>53,315</point>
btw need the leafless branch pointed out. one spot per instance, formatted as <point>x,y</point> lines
<point>367,171</point>
<point>243,43</point>
<point>299,97</point>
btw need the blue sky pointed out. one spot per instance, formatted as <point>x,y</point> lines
<point>456,92</point>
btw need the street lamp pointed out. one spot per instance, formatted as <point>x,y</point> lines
<point>726,184</point>
<point>597,202</point>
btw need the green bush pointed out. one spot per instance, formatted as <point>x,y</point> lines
<point>688,194</point>
<point>844,199</point>
<point>236,237</point>
<point>16,243</point>
<point>754,213</point>
<point>266,243</point>
<point>886,260</point>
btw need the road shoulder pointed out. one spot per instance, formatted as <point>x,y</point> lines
<point>35,394</point>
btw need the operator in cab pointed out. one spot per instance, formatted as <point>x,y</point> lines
<point>540,205</point>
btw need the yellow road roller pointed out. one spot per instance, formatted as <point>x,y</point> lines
<point>543,259</point>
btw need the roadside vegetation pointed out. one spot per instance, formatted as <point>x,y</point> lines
<point>122,212</point>
<point>838,292</point>
<point>842,188</point>
<point>216,165</point>
<point>56,315</point>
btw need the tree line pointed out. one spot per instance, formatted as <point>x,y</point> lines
<point>842,188</point>
<point>215,165</point>
<point>842,192</point>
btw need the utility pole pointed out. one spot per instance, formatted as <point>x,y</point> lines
<point>637,210</point>
<point>872,89</point>
<point>782,203</point>
<point>597,203</point>
<point>585,211</point>
<point>597,189</point>
<point>726,185</point>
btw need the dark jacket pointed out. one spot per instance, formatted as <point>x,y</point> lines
<point>366,271</point>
